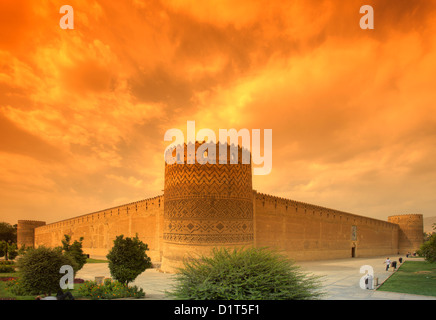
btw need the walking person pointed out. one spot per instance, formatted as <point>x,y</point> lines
<point>388,263</point>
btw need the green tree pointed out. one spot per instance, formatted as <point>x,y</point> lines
<point>128,259</point>
<point>251,274</point>
<point>12,251</point>
<point>428,249</point>
<point>427,235</point>
<point>74,251</point>
<point>4,249</point>
<point>40,268</point>
<point>8,250</point>
<point>8,232</point>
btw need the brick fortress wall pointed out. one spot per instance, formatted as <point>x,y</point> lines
<point>208,205</point>
<point>309,232</point>
<point>100,228</point>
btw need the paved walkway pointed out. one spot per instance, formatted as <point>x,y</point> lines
<point>152,281</point>
<point>340,279</point>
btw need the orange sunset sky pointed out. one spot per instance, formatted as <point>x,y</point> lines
<point>83,112</point>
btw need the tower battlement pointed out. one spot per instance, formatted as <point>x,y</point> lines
<point>207,152</point>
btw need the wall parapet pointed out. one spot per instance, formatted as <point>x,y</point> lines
<point>31,221</point>
<point>294,203</point>
<point>406,215</point>
<point>96,214</point>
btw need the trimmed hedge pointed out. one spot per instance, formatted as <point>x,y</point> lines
<point>6,268</point>
<point>109,290</point>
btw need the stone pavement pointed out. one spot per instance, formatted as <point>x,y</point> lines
<point>152,281</point>
<point>340,279</point>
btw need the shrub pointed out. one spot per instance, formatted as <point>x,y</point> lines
<point>6,268</point>
<point>39,270</point>
<point>109,290</point>
<point>16,287</point>
<point>128,259</point>
<point>23,249</point>
<point>251,274</point>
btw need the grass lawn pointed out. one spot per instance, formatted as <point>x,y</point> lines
<point>414,277</point>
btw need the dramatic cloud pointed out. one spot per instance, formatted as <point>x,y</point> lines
<point>83,112</point>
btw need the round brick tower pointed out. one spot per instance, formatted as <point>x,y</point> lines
<point>411,231</point>
<point>206,205</point>
<point>26,232</point>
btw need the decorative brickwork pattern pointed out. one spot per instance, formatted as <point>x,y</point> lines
<point>208,203</point>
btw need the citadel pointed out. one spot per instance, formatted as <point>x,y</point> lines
<point>214,205</point>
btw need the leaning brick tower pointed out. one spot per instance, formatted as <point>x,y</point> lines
<point>411,231</point>
<point>206,205</point>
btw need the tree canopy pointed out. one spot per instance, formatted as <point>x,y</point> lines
<point>8,232</point>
